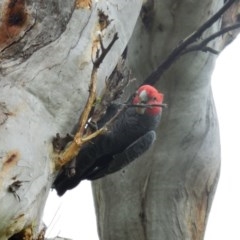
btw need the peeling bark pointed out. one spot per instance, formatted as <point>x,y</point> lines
<point>46,51</point>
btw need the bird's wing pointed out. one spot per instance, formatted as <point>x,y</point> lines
<point>120,160</point>
<point>71,174</point>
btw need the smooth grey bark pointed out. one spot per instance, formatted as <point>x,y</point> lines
<point>46,50</point>
<point>167,193</point>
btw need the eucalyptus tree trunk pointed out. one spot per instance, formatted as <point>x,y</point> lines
<point>46,52</point>
<point>167,193</point>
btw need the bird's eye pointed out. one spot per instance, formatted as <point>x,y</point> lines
<point>154,98</point>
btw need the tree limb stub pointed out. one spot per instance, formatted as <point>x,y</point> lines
<point>177,52</point>
<point>74,147</point>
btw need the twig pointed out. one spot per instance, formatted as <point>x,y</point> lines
<point>209,49</point>
<point>202,45</point>
<point>142,105</point>
<point>176,53</point>
<point>104,50</point>
<point>74,147</point>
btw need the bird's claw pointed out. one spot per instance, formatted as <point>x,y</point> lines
<point>71,172</point>
<point>70,169</point>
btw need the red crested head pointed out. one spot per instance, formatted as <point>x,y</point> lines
<point>148,95</point>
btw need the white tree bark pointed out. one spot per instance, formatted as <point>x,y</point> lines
<point>167,193</point>
<point>45,66</point>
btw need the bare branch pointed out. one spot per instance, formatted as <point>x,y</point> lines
<point>142,105</point>
<point>104,50</point>
<point>74,147</point>
<point>177,52</point>
<point>211,50</point>
<point>202,46</point>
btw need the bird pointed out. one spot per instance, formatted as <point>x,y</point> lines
<point>130,135</point>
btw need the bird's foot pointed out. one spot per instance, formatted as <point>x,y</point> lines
<point>70,169</point>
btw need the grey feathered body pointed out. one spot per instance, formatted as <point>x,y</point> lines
<point>96,155</point>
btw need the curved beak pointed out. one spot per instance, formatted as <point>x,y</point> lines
<point>143,97</point>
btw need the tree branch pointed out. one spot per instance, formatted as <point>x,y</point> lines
<point>104,50</point>
<point>142,105</point>
<point>202,46</point>
<point>177,52</point>
<point>74,147</point>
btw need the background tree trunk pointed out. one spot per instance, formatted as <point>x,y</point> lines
<point>167,193</point>
<point>45,66</point>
